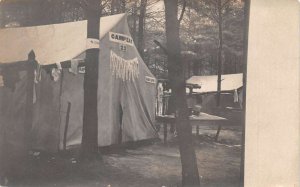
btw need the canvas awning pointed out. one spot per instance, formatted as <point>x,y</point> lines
<point>209,83</point>
<point>51,43</point>
<point>124,84</point>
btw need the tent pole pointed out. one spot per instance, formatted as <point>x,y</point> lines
<point>66,127</point>
<point>29,94</point>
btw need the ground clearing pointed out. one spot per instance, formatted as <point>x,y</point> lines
<point>153,165</point>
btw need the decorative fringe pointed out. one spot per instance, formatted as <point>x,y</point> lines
<point>127,70</point>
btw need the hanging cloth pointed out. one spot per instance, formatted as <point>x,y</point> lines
<point>55,72</point>
<point>1,81</point>
<point>37,73</point>
<point>58,65</point>
<point>37,79</point>
<point>235,96</point>
<point>74,66</point>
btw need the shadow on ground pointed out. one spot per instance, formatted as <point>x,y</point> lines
<point>152,165</point>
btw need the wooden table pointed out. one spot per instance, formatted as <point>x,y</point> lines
<point>203,117</point>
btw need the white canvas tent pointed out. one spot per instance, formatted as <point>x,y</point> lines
<point>231,92</point>
<point>229,82</point>
<point>51,43</point>
<point>124,83</point>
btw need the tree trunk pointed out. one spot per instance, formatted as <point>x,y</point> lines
<point>190,176</point>
<point>123,6</point>
<point>89,146</point>
<point>220,52</point>
<point>112,7</point>
<point>141,27</point>
<point>134,21</point>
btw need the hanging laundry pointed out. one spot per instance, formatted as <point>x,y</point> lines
<point>37,73</point>
<point>55,74</point>
<point>10,77</point>
<point>235,96</point>
<point>127,70</point>
<point>1,81</point>
<point>58,65</point>
<point>241,98</point>
<point>34,94</point>
<point>74,66</point>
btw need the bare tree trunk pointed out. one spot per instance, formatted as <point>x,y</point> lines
<point>89,146</point>
<point>190,176</point>
<point>134,21</point>
<point>141,27</point>
<point>123,6</point>
<point>220,51</point>
<point>112,7</point>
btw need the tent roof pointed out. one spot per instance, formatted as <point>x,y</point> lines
<point>209,83</point>
<point>51,43</point>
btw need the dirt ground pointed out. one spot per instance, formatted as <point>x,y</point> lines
<point>150,165</point>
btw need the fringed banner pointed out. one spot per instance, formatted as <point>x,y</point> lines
<point>127,70</point>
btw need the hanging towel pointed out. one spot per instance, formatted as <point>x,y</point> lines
<point>1,81</point>
<point>37,74</point>
<point>58,66</point>
<point>55,74</point>
<point>74,66</point>
<point>235,96</point>
<point>34,94</point>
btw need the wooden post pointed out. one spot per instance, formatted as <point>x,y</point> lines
<point>66,127</point>
<point>29,93</point>
<point>197,130</point>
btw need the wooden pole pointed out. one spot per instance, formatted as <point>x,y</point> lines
<point>29,93</point>
<point>66,127</point>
